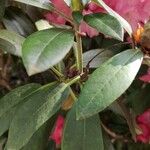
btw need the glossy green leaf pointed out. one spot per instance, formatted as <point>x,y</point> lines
<point>106,24</point>
<point>6,119</point>
<point>17,21</point>
<point>10,102</point>
<point>46,48</point>
<point>122,21</point>
<point>42,25</point>
<point>39,108</point>
<point>107,142</point>
<point>11,42</point>
<point>15,96</point>
<point>103,56</point>
<point>77,16</point>
<point>2,142</point>
<point>108,82</point>
<point>40,139</point>
<point>2,8</point>
<point>44,4</point>
<point>140,100</point>
<point>82,134</point>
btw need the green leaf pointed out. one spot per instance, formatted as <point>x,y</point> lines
<point>140,100</point>
<point>2,8</point>
<point>77,16</point>
<point>106,24</point>
<point>39,108</point>
<point>44,4</point>
<point>11,42</point>
<point>39,140</point>
<point>10,102</point>
<point>17,21</point>
<point>107,142</point>
<point>82,134</point>
<point>108,82</point>
<point>42,25</point>
<point>46,48</point>
<point>99,59</point>
<point>122,21</point>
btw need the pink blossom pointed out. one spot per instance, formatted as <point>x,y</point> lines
<point>143,122</point>
<point>134,11</point>
<point>55,18</point>
<point>85,28</point>
<point>62,6</point>
<point>146,77</point>
<point>57,132</point>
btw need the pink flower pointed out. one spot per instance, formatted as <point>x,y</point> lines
<point>57,132</point>
<point>62,6</point>
<point>126,8</point>
<point>146,77</point>
<point>55,18</point>
<point>143,122</point>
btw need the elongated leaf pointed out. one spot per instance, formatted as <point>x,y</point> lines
<point>39,140</point>
<point>43,25</point>
<point>40,107</point>
<point>2,8</point>
<point>17,21</point>
<point>97,61</point>
<point>44,4</point>
<point>82,134</point>
<point>13,98</point>
<point>108,82</point>
<point>122,21</point>
<point>46,48</point>
<point>107,142</point>
<point>106,24</point>
<point>6,119</point>
<point>10,102</point>
<point>11,42</point>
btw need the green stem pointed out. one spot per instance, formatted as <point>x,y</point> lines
<point>79,51</point>
<point>74,80</point>
<point>128,118</point>
<point>78,39</point>
<point>73,95</point>
<point>59,74</point>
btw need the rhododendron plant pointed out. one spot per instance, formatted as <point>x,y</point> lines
<point>124,8</point>
<point>52,17</point>
<point>128,7</point>
<point>87,60</point>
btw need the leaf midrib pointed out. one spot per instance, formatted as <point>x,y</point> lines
<point>98,20</point>
<point>38,110</point>
<point>45,46</point>
<point>91,100</point>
